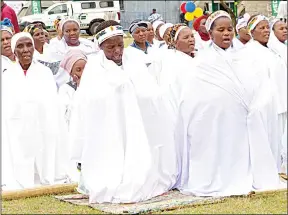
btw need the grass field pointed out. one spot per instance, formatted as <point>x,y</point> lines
<point>274,203</point>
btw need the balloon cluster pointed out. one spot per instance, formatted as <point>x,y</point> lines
<point>190,10</point>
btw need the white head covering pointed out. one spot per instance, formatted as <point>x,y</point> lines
<point>214,16</point>
<point>242,23</point>
<point>163,28</point>
<point>273,22</point>
<point>5,28</point>
<point>178,31</point>
<point>156,24</point>
<point>254,22</point>
<point>134,26</point>
<point>17,36</point>
<point>63,21</point>
<point>275,45</point>
<point>107,33</point>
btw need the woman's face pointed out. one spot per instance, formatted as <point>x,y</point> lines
<point>140,35</point>
<point>6,43</point>
<point>261,32</point>
<point>39,37</point>
<point>185,41</point>
<point>244,35</point>
<point>150,32</point>
<point>71,33</point>
<point>24,50</point>
<point>113,49</point>
<point>280,31</point>
<point>202,27</point>
<point>77,70</point>
<point>222,32</point>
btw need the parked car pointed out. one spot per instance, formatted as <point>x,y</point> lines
<point>89,14</point>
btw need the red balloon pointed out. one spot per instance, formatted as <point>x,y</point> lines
<point>182,7</point>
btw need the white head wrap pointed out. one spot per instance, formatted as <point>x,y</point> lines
<point>274,43</point>
<point>178,31</point>
<point>254,22</point>
<point>5,28</point>
<point>273,22</point>
<point>156,24</point>
<point>242,23</point>
<point>134,26</point>
<point>107,33</point>
<point>63,21</point>
<point>163,28</point>
<point>214,16</point>
<point>17,36</point>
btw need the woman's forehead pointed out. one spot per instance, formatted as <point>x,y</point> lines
<point>114,40</point>
<point>23,40</point>
<point>70,24</point>
<point>222,21</point>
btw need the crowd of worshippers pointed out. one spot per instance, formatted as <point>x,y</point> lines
<point>200,110</point>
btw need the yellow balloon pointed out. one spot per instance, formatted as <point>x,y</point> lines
<point>198,12</point>
<point>189,16</point>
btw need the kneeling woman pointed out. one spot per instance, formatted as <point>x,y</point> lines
<point>122,132</point>
<point>32,117</point>
<point>226,149</point>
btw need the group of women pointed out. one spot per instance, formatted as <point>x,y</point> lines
<point>201,111</point>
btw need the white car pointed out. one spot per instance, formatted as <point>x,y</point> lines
<point>89,13</point>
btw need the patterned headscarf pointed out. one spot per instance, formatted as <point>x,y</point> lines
<point>171,36</point>
<point>6,25</point>
<point>32,28</point>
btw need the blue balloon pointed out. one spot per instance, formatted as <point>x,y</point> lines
<point>190,6</point>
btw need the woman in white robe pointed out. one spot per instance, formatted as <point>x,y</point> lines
<point>41,51</point>
<point>7,56</point>
<point>224,146</point>
<point>122,132</point>
<point>70,40</point>
<point>202,37</point>
<point>73,63</point>
<point>278,36</point>
<point>243,37</point>
<point>265,62</point>
<point>32,118</point>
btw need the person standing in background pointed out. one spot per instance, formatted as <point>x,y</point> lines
<point>8,12</point>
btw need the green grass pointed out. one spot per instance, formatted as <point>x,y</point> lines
<point>275,203</point>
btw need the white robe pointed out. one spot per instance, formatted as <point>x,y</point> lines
<point>265,61</point>
<point>237,44</point>
<point>277,47</point>
<point>6,63</point>
<point>66,93</point>
<point>58,51</point>
<point>224,146</point>
<point>32,126</point>
<point>200,44</point>
<point>45,56</point>
<point>124,137</point>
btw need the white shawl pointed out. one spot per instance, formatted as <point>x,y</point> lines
<point>277,47</point>
<point>33,125</point>
<point>113,133</point>
<point>225,149</point>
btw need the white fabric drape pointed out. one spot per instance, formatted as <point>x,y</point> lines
<point>277,47</point>
<point>33,126</point>
<point>120,131</point>
<point>225,148</point>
